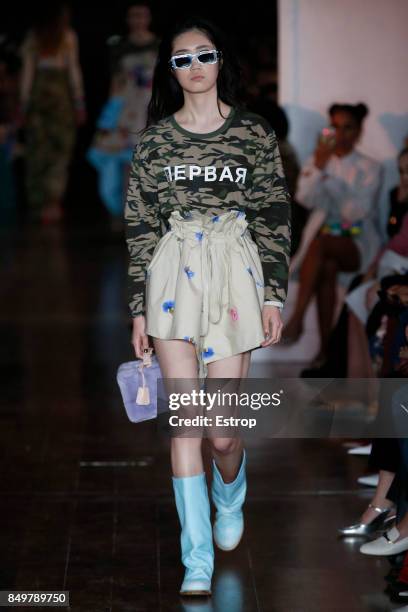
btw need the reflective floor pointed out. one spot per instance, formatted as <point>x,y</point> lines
<point>86,497</point>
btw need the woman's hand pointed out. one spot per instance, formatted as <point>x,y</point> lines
<point>272,324</point>
<point>322,154</point>
<point>140,339</point>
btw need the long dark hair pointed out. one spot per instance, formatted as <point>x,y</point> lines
<point>167,94</point>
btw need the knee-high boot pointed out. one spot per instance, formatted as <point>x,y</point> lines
<point>197,551</point>
<point>228,499</point>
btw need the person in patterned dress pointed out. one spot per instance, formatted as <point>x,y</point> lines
<point>131,60</point>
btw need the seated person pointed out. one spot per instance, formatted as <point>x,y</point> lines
<point>348,345</point>
<point>342,183</point>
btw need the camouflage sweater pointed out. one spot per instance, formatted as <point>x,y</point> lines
<point>237,166</point>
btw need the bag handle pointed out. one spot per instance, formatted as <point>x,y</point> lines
<point>147,356</point>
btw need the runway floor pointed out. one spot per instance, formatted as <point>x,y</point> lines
<point>86,497</point>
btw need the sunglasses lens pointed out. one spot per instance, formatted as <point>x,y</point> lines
<point>208,57</point>
<point>183,62</point>
<point>205,57</point>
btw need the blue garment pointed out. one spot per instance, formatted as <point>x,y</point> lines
<point>197,551</point>
<point>228,499</point>
<point>110,166</point>
<point>109,117</point>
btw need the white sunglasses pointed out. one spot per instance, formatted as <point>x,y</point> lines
<point>181,62</point>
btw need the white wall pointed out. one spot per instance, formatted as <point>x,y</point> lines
<point>346,51</point>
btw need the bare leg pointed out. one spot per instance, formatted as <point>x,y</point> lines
<point>326,303</point>
<point>380,496</point>
<point>227,452</point>
<point>344,253</point>
<point>308,278</point>
<point>178,360</point>
<point>359,363</point>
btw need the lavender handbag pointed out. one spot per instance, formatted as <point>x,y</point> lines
<point>137,381</point>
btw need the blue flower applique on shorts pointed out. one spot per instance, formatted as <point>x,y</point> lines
<point>168,306</point>
<point>189,272</point>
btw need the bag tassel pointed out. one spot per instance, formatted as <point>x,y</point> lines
<point>143,394</point>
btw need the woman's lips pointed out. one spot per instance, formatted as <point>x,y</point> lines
<point>197,78</point>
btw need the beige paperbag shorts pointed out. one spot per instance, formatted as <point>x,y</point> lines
<point>205,285</point>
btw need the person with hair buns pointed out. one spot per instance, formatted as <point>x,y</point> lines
<point>343,183</point>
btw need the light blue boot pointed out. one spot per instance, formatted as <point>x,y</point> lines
<point>228,499</point>
<point>197,551</point>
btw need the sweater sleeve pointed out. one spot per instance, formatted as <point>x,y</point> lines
<point>271,225</point>
<point>142,226</point>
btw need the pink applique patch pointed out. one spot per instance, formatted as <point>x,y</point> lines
<point>234,314</point>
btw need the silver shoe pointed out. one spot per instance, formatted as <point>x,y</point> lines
<point>382,522</point>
